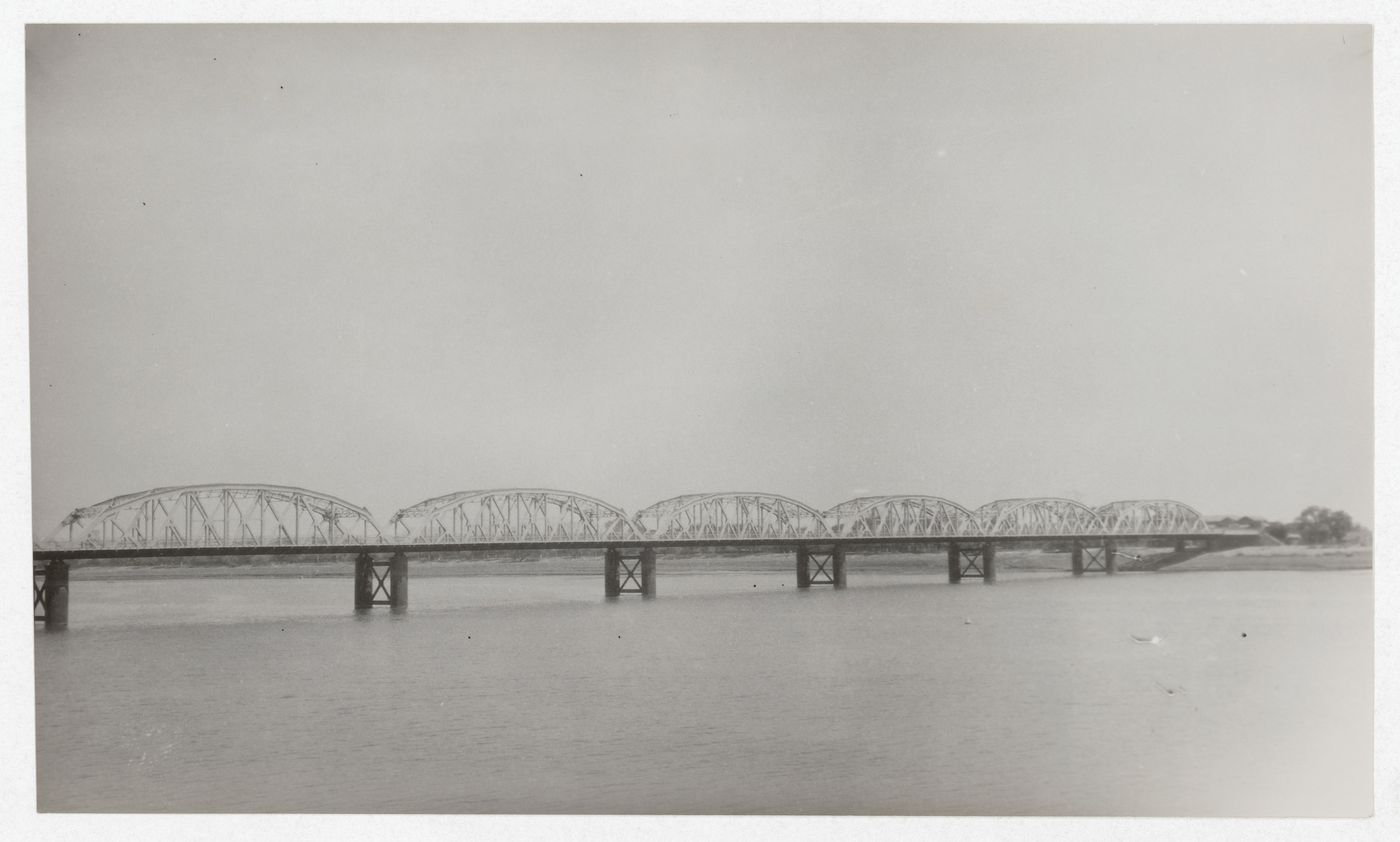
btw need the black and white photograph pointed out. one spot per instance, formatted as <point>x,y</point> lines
<point>575,416</point>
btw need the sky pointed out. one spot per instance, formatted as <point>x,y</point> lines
<point>974,261</point>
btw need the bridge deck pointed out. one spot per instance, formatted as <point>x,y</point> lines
<point>630,543</point>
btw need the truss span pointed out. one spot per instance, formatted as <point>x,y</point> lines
<point>900,516</point>
<point>511,516</point>
<point>1151,517</point>
<point>1037,516</point>
<point>720,517</point>
<point>202,516</point>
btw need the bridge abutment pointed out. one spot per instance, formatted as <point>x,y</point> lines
<point>1076,558</point>
<point>804,568</point>
<point>1110,558</point>
<point>989,563</point>
<point>954,563</point>
<point>838,567</point>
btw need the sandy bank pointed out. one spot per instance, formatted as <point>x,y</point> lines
<point>1278,558</point>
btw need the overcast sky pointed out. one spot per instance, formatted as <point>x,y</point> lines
<point>387,263</point>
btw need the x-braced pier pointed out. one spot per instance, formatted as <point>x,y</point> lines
<point>977,561</point>
<point>51,594</point>
<point>829,564</point>
<point>381,582</point>
<point>1086,559</point>
<point>637,571</point>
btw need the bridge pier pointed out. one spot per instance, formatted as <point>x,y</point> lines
<point>612,560</point>
<point>51,594</point>
<point>648,562</point>
<point>830,567</point>
<point>364,582</point>
<point>1088,558</point>
<point>398,582</point>
<point>381,582</point>
<point>618,573</point>
<point>976,562</point>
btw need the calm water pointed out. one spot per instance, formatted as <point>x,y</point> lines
<point>729,693</point>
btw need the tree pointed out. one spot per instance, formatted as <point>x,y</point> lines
<point>1323,526</point>
<point>1278,531</point>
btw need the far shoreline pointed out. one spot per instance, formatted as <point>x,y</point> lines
<point>1234,560</point>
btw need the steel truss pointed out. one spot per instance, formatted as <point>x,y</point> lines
<point>1146,517</point>
<point>516,515</point>
<point>900,516</point>
<point>1037,516</point>
<point>256,516</point>
<point>216,516</point>
<point>731,516</point>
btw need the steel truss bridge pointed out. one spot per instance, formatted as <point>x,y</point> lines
<point>268,519</point>
<point>224,520</point>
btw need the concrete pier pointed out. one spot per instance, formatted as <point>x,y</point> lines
<point>364,582</point>
<point>838,567</point>
<point>648,563</point>
<point>1076,558</point>
<point>1110,557</point>
<point>53,595</point>
<point>612,564</point>
<point>804,568</point>
<point>954,564</point>
<point>989,562</point>
<point>398,582</point>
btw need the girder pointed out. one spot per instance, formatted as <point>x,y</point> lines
<point>1037,516</point>
<point>511,515</point>
<point>231,515</point>
<point>1141,517</point>
<point>900,516</point>
<point>730,516</point>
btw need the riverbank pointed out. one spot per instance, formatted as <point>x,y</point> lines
<point>1243,558</point>
<point>1278,558</point>
<point>546,565</point>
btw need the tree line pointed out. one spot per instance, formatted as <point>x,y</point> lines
<point>1315,525</point>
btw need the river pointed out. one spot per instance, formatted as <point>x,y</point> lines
<point>731,692</point>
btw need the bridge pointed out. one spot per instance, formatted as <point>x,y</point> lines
<point>251,519</point>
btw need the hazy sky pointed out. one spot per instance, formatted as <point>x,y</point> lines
<point>387,263</point>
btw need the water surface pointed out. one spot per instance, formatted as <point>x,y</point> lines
<point>729,693</point>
